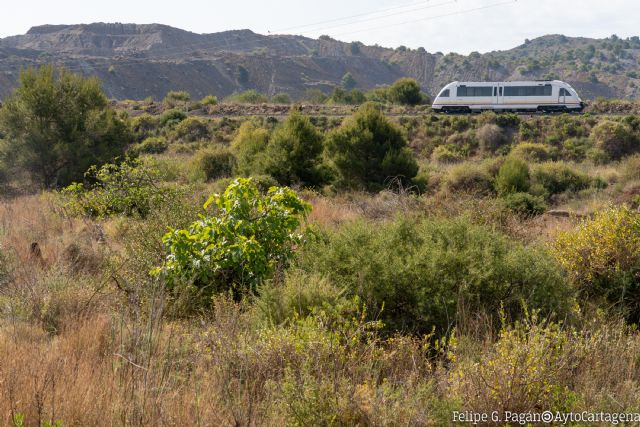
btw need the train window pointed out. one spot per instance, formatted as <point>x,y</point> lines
<point>445,93</point>
<point>564,92</point>
<point>500,91</point>
<point>474,90</point>
<point>527,90</point>
<point>495,91</point>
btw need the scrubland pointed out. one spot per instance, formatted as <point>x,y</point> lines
<point>373,271</point>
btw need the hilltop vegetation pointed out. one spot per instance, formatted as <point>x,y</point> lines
<point>325,270</point>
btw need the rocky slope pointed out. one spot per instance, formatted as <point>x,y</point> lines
<point>138,61</point>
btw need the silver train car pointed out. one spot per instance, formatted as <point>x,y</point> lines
<point>524,96</point>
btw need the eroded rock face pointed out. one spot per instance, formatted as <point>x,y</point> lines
<point>136,61</point>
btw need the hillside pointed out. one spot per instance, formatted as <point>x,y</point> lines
<point>138,61</point>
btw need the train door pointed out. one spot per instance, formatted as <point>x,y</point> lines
<point>562,96</point>
<point>498,94</point>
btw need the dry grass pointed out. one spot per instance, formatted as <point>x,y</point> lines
<point>77,349</point>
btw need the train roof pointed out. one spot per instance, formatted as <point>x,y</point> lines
<point>528,82</point>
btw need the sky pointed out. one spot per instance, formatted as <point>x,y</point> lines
<point>446,26</point>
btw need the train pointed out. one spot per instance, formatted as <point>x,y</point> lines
<point>549,96</point>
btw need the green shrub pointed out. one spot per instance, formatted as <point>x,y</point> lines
<point>315,96</point>
<point>444,154</point>
<point>525,204</point>
<point>341,96</point>
<point>241,244</point>
<point>299,296</point>
<point>294,153</point>
<point>406,91</point>
<point>513,177</point>
<point>215,162</point>
<point>131,188</point>
<point>281,98</point>
<point>531,152</point>
<point>525,368</point>
<point>576,149</point>
<point>151,145</point>
<point>368,150</point>
<point>416,275</point>
<point>248,97</point>
<point>602,258</point>
<point>174,98</point>
<point>468,178</point>
<point>558,177</point>
<point>144,126</point>
<point>172,117</point>
<point>249,147</point>
<point>614,139</point>
<point>209,100</point>
<point>191,129</point>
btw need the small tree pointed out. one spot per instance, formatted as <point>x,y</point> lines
<point>242,75</point>
<point>242,243</point>
<point>59,124</point>
<point>294,152</point>
<point>249,146</point>
<point>406,91</point>
<point>368,150</point>
<point>348,82</point>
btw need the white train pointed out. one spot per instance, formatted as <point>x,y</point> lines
<point>544,96</point>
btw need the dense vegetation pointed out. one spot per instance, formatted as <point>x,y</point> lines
<point>367,270</point>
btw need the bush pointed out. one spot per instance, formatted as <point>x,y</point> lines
<point>299,296</point>
<point>558,177</point>
<point>469,178</point>
<point>131,188</point>
<point>209,100</point>
<point>513,177</point>
<point>248,97</point>
<point>59,124</point>
<point>630,168</point>
<point>238,247</point>
<point>215,162</point>
<point>151,145</point>
<point>144,126</point>
<point>491,137</point>
<point>525,204</point>
<point>531,152</point>
<point>576,149</point>
<point>172,117</point>
<point>406,91</point>
<point>368,150</point>
<point>174,98</point>
<point>526,368</point>
<point>249,147</point>
<point>416,275</point>
<point>281,98</point>
<point>614,139</point>
<point>191,129</point>
<point>341,96</point>
<point>294,153</point>
<point>602,258</point>
<point>444,154</point>
<point>315,96</point>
